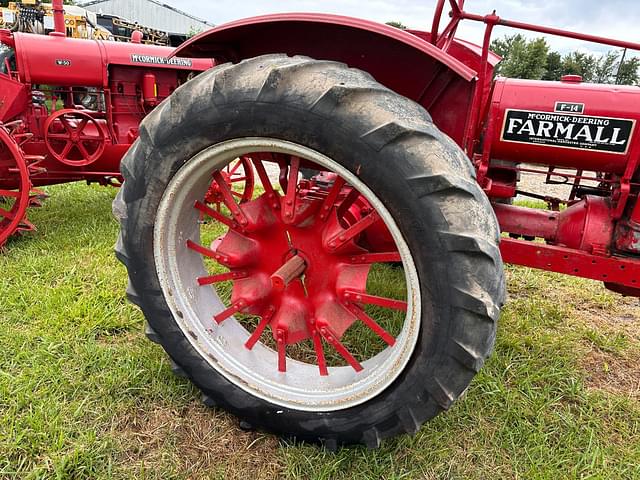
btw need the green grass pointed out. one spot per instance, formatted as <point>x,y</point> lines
<point>84,395</point>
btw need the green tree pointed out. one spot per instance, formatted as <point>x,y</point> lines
<point>578,63</point>
<point>521,58</point>
<point>628,72</point>
<point>399,25</point>
<point>607,67</point>
<point>193,31</point>
<point>553,69</point>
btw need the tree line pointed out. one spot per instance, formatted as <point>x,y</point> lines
<point>534,59</point>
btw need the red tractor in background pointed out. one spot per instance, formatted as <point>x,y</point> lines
<point>70,109</point>
<point>354,293</point>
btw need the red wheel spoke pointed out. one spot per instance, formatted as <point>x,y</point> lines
<point>9,193</point>
<point>215,215</point>
<point>58,136</point>
<point>291,194</point>
<point>7,214</point>
<point>257,333</point>
<point>237,194</point>
<point>266,183</point>
<point>372,324</point>
<point>67,148</point>
<point>222,277</point>
<point>351,197</point>
<point>354,230</point>
<point>317,346</point>
<point>282,178</point>
<point>331,198</point>
<point>235,167</point>
<point>368,258</point>
<point>67,126</point>
<point>234,308</point>
<point>228,200</point>
<point>89,138</point>
<point>340,348</point>
<point>207,252</point>
<point>83,151</point>
<point>351,296</point>
<point>82,124</point>
<point>237,179</point>
<point>281,340</point>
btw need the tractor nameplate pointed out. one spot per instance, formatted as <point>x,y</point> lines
<point>158,60</point>
<point>568,107</point>
<point>612,135</point>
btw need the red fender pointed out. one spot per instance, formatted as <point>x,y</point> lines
<point>402,61</point>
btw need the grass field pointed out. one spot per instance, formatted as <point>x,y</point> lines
<point>84,395</point>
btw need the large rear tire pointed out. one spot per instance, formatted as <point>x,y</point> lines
<point>319,115</point>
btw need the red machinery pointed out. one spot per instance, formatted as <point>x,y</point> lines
<point>355,295</point>
<point>71,109</point>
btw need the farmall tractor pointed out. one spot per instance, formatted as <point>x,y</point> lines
<point>70,109</point>
<point>345,288</point>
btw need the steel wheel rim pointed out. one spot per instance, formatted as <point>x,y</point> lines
<point>8,225</point>
<point>222,346</point>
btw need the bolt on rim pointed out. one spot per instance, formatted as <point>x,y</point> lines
<point>295,259</point>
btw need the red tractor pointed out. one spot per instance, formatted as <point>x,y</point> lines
<point>353,293</point>
<point>70,109</point>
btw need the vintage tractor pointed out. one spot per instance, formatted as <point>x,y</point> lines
<point>70,109</point>
<point>352,293</point>
<point>355,294</point>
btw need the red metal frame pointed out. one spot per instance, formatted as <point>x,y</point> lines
<point>610,269</point>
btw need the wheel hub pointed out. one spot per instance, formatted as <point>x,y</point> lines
<point>295,263</point>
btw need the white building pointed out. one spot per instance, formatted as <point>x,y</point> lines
<point>150,13</point>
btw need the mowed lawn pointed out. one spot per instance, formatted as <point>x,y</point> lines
<point>83,394</point>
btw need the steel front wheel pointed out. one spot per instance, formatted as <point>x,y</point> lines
<point>15,187</point>
<point>336,303</point>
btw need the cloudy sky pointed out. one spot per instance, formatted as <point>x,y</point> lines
<point>614,18</point>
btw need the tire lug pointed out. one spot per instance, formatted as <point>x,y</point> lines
<point>246,426</point>
<point>209,401</point>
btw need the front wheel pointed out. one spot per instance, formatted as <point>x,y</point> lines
<point>355,294</point>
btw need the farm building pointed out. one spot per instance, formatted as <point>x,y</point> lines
<point>150,13</point>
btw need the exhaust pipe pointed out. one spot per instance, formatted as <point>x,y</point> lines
<point>58,17</point>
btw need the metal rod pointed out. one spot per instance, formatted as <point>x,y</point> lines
<point>292,269</point>
<point>624,54</point>
<point>552,31</point>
